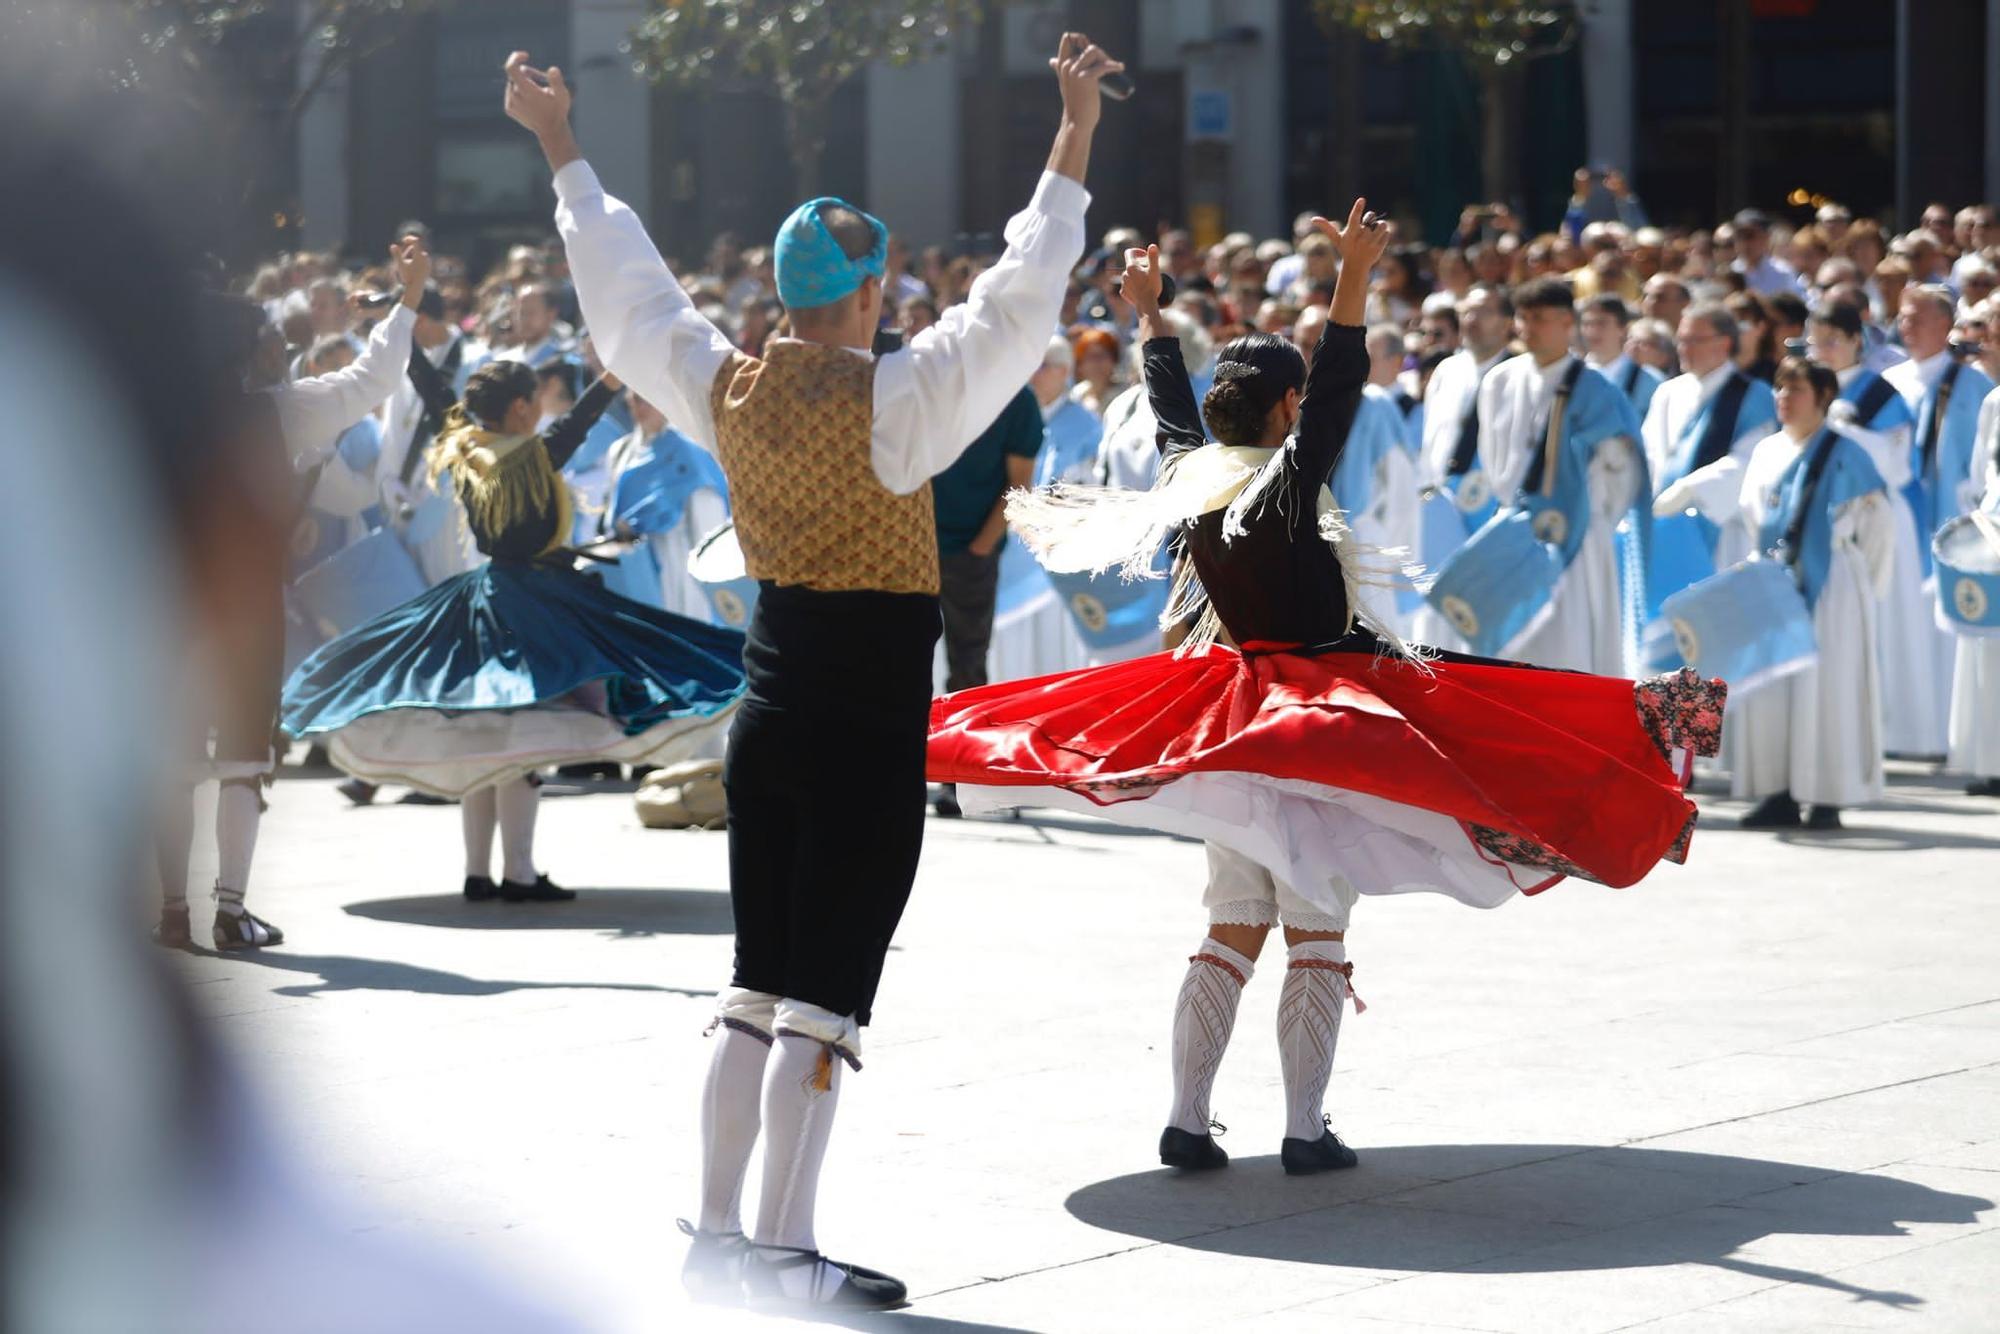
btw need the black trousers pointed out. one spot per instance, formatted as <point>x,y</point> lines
<point>969,585</point>
<point>825,786</point>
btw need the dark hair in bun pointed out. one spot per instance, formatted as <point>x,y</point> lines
<point>1251,377</point>
<point>494,387</point>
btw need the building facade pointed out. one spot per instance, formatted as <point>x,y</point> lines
<point>1248,112</point>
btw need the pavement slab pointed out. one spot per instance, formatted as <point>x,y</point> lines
<point>1758,1092</point>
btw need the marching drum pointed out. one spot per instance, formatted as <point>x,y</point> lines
<point>1966,555</point>
<point>1496,586</point>
<point>717,565</point>
<point>1748,625</point>
<point>1110,610</point>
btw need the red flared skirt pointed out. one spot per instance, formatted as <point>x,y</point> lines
<point>1412,776</point>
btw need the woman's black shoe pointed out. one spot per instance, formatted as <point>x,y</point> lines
<point>1303,1157</point>
<point>1191,1152</point>
<point>825,1284</point>
<point>1823,817</point>
<point>544,890</point>
<point>173,931</point>
<point>1983,787</point>
<point>1777,811</point>
<point>479,888</point>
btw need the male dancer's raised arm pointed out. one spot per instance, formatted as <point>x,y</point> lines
<point>646,329</point>
<point>931,399</point>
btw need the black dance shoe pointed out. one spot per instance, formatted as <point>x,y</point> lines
<point>244,931</point>
<point>173,932</point>
<point>1983,787</point>
<point>780,1278</point>
<point>479,888</point>
<point>1304,1157</point>
<point>1777,811</point>
<point>1191,1152</point>
<point>713,1270</point>
<point>1823,817</point>
<point>543,890</point>
<point>355,790</point>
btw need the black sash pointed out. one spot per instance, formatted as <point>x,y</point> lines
<point>1631,379</point>
<point>1945,387</point>
<point>1466,452</point>
<point>1873,399</point>
<point>1720,433</point>
<point>1787,549</point>
<point>1406,401</point>
<point>1548,424</point>
<point>430,423</point>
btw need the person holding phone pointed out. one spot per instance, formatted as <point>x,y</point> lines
<point>829,453</point>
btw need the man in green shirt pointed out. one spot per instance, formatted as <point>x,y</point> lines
<point>971,501</point>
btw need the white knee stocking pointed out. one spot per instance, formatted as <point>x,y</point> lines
<point>801,1091</point>
<point>731,1101</point>
<point>1204,1016</point>
<point>239,809</point>
<point>476,813</point>
<point>517,802</point>
<point>1309,1007</point>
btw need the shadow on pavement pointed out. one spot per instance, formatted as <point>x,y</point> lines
<point>1874,838</point>
<point>1622,1208</point>
<point>339,972</point>
<point>624,912</point>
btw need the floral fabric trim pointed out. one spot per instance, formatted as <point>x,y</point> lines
<point>1681,710</point>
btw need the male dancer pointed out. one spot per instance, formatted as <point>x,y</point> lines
<point>829,453</point>
<point>299,424</point>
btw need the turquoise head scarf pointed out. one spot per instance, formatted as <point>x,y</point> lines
<point>812,268</point>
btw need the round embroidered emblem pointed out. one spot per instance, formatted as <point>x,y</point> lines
<point>1090,611</point>
<point>1550,526</point>
<point>1686,640</point>
<point>730,608</point>
<point>1461,615</point>
<point>1473,492</point>
<point>305,537</point>
<point>1970,599</point>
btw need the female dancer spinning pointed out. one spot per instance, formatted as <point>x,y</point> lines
<point>1317,760</point>
<point>519,664</point>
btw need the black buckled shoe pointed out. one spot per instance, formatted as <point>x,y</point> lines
<point>1191,1152</point>
<point>244,931</point>
<point>1304,1157</point>
<point>713,1270</point>
<point>173,932</point>
<point>1777,811</point>
<point>780,1278</point>
<point>543,890</point>
<point>1823,817</point>
<point>479,888</point>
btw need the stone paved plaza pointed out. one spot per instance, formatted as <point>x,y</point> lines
<point>1761,1092</point>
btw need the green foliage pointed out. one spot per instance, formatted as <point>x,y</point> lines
<point>805,48</point>
<point>139,41</point>
<point>1492,32</point>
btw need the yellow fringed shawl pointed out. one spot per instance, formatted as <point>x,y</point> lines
<point>503,480</point>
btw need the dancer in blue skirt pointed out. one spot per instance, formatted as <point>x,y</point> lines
<point>519,664</point>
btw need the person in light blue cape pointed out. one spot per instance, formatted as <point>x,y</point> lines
<point>1560,443</point>
<point>1816,501</point>
<point>671,492</point>
<point>1943,395</point>
<point>1712,412</point>
<point>1604,323</point>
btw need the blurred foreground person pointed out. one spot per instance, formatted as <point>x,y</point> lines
<point>140,1188</point>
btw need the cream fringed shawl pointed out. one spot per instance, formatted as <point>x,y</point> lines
<point>503,480</point>
<point>1091,530</point>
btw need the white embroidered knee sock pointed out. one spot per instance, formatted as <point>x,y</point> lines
<point>239,809</point>
<point>1204,1016</point>
<point>476,813</point>
<point>1309,1007</point>
<point>731,1111</point>
<point>801,1090</point>
<point>517,802</point>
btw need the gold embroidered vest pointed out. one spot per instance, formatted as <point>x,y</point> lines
<point>795,432</point>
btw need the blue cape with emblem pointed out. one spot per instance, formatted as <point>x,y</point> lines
<point>1848,475</point>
